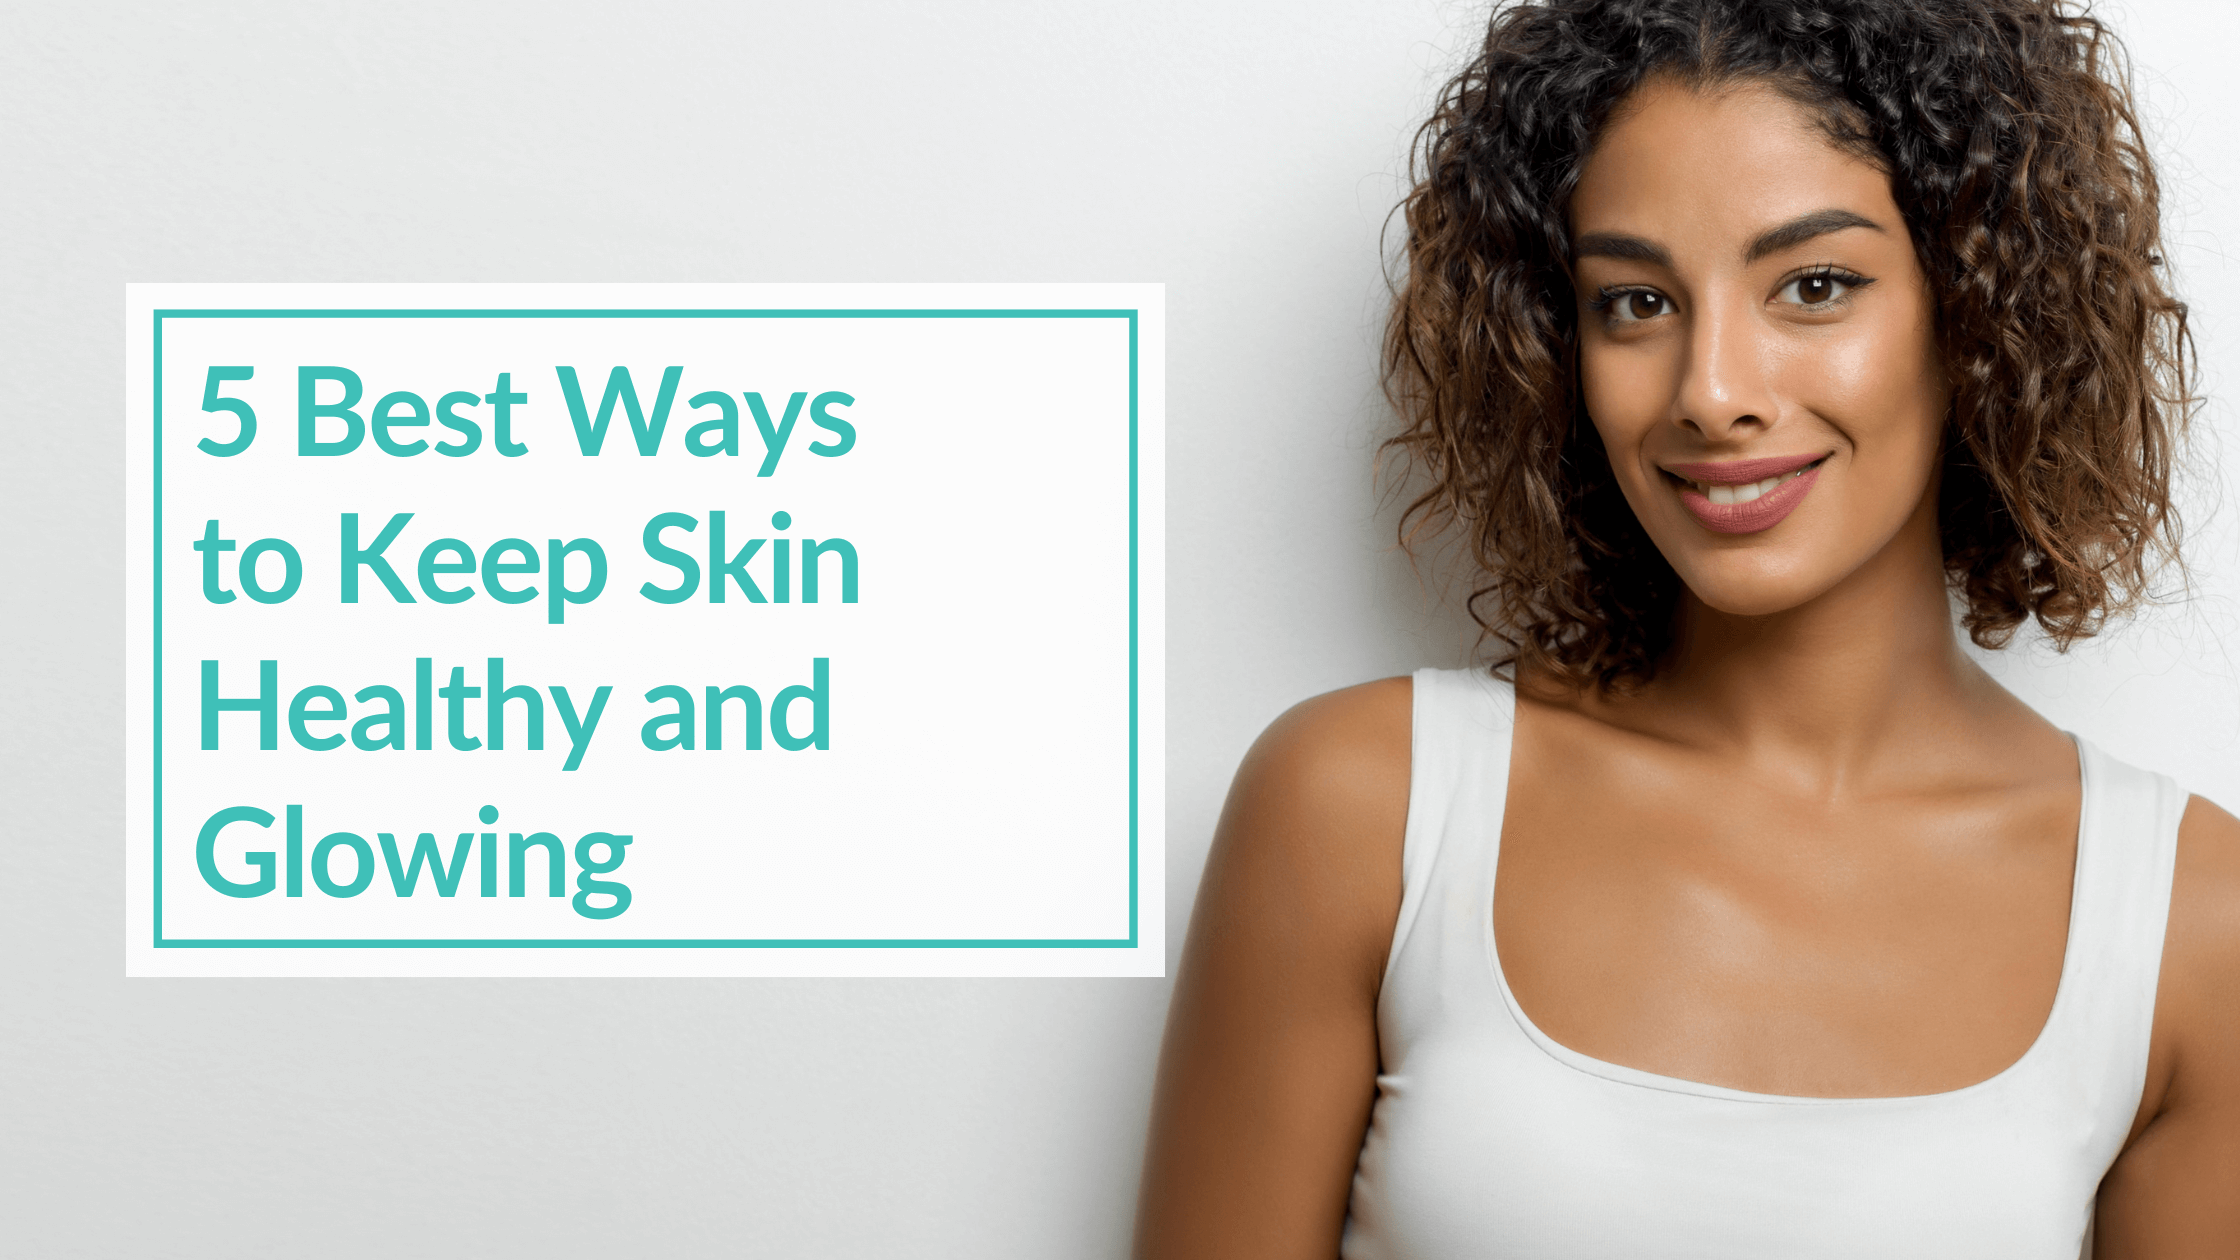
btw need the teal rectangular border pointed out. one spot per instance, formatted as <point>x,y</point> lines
<point>1135,620</point>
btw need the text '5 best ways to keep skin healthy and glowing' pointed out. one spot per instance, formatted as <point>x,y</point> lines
<point>644,629</point>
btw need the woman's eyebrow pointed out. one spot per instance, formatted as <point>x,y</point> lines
<point>1624,248</point>
<point>1803,228</point>
<point>1772,241</point>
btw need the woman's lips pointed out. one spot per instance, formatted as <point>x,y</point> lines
<point>1795,473</point>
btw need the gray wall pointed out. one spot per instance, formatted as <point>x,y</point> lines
<point>1244,154</point>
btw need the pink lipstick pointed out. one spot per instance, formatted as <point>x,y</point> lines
<point>1744,496</point>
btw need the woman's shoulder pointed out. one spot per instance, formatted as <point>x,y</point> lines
<point>1316,820</point>
<point>1344,750</point>
<point>1364,719</point>
<point>2201,947</point>
<point>1369,727</point>
<point>1267,1074</point>
<point>2176,1173</point>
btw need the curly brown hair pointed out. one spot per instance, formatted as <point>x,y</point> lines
<point>2013,148</point>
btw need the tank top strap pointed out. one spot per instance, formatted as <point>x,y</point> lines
<point>1458,787</point>
<point>2127,844</point>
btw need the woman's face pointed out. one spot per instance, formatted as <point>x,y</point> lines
<point>1757,344</point>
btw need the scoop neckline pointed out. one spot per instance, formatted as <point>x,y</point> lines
<point>1644,1079</point>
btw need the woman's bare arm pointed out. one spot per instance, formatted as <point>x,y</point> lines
<point>2174,1194</point>
<point>1270,1061</point>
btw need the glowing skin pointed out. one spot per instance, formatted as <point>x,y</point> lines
<point>1710,335</point>
<point>1821,854</point>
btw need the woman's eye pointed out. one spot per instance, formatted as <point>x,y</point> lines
<point>1815,290</point>
<point>1638,305</point>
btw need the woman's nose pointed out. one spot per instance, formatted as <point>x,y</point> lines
<point>1726,382</point>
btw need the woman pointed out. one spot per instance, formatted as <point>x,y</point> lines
<point>1737,912</point>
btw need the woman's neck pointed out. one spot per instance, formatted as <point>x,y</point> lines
<point>1866,676</point>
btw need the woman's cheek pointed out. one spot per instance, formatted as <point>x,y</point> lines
<point>1871,381</point>
<point>1844,378</point>
<point>1873,391</point>
<point>1622,399</point>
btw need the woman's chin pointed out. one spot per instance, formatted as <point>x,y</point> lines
<point>1751,590</point>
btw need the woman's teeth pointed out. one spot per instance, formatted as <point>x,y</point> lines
<point>1744,494</point>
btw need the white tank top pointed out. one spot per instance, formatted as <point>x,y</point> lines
<point>1491,1140</point>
